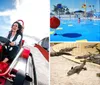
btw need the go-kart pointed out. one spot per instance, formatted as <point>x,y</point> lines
<point>21,71</point>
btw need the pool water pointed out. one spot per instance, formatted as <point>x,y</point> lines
<point>72,30</point>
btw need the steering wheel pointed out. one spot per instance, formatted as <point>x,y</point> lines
<point>4,41</point>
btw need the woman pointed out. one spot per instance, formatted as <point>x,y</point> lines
<point>11,49</point>
<point>79,20</point>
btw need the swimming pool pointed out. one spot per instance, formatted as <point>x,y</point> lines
<point>72,30</point>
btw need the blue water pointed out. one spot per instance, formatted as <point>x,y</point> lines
<point>73,31</point>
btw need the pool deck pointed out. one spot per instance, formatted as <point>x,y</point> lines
<point>68,17</point>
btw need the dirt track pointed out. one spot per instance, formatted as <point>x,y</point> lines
<point>59,67</point>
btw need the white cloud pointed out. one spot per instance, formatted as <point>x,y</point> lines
<point>7,13</point>
<point>34,13</point>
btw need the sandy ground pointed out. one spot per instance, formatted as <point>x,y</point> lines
<point>58,73</point>
<point>59,66</point>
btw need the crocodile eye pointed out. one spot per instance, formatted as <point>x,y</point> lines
<point>71,67</point>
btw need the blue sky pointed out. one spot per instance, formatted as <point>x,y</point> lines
<point>76,4</point>
<point>5,24</point>
<point>7,4</point>
<point>4,6</point>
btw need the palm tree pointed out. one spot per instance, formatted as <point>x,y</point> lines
<point>93,8</point>
<point>90,7</point>
<point>65,9</point>
<point>60,9</point>
<point>55,9</point>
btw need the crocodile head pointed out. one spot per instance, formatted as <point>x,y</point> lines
<point>71,71</point>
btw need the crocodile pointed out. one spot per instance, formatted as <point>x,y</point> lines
<point>95,58</point>
<point>59,53</point>
<point>98,50</point>
<point>67,49</point>
<point>98,74</point>
<point>77,69</point>
<point>84,56</point>
<point>91,46</point>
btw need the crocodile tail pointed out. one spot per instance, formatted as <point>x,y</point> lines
<point>90,53</point>
<point>74,47</point>
<point>96,45</point>
<point>84,62</point>
<point>97,48</point>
